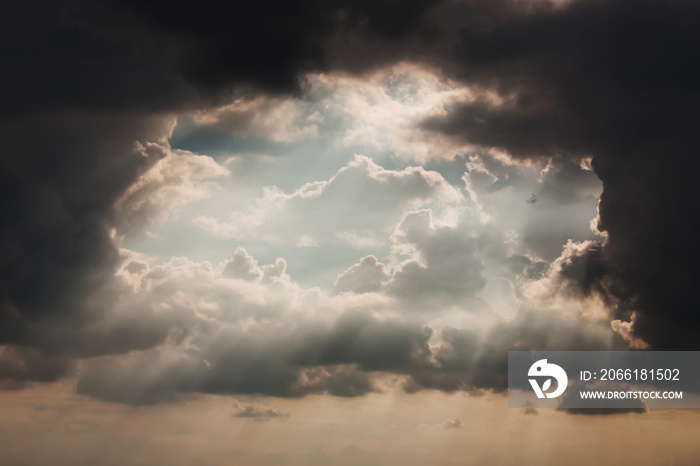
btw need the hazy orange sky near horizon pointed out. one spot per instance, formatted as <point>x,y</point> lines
<point>52,424</point>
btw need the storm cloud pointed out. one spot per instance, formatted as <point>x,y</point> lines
<point>618,81</point>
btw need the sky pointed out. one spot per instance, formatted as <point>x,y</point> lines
<point>309,232</point>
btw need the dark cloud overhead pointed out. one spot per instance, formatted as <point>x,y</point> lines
<point>269,360</point>
<point>20,366</point>
<point>61,176</point>
<point>616,80</point>
<point>146,56</point>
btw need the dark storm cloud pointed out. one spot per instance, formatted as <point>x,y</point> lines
<point>20,365</point>
<point>144,56</point>
<point>619,80</point>
<point>282,362</point>
<point>340,360</point>
<point>372,344</point>
<point>60,177</point>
